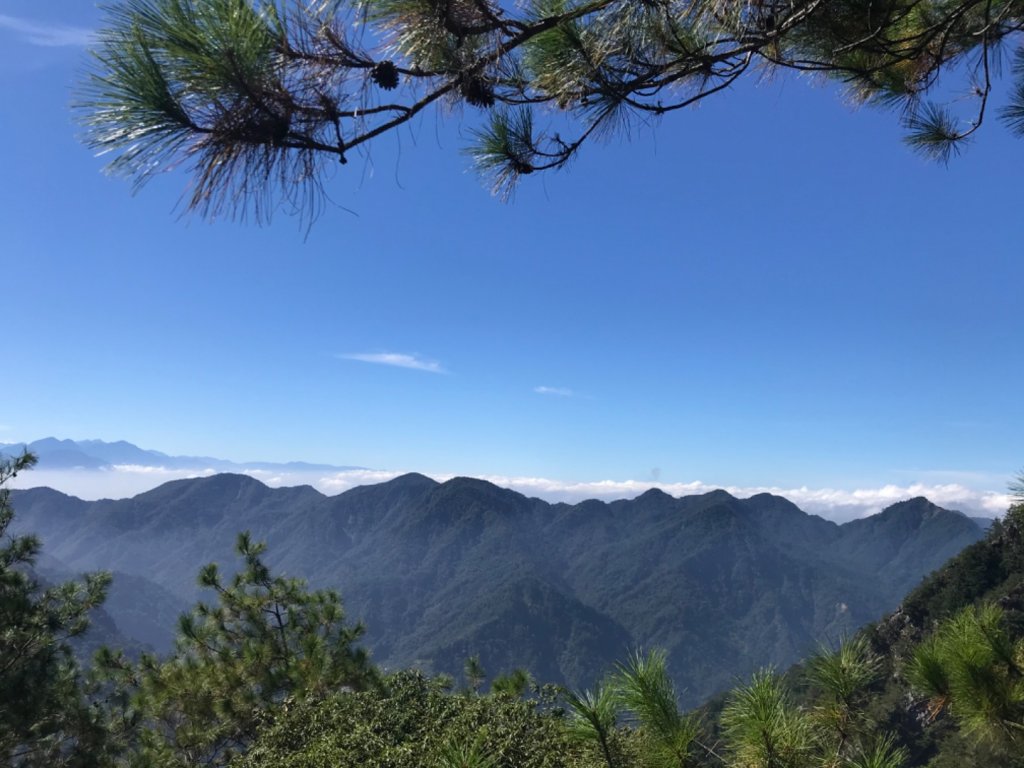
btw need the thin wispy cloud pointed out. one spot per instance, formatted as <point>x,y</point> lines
<point>555,391</point>
<point>397,360</point>
<point>45,34</point>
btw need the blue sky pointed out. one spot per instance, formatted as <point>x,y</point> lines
<point>768,291</point>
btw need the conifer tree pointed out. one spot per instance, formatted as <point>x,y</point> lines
<point>261,97</point>
<point>266,642</point>
<point>645,691</point>
<point>593,721</point>
<point>764,728</point>
<point>974,668</point>
<point>44,718</point>
<point>640,694</point>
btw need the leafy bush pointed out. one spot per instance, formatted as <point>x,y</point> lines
<point>415,722</point>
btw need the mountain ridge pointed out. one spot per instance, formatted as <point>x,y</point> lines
<point>56,453</point>
<point>442,569</point>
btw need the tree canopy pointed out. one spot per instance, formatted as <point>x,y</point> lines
<point>266,641</point>
<point>42,706</point>
<point>416,722</point>
<point>260,97</point>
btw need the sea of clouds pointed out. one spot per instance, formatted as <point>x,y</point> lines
<point>122,481</point>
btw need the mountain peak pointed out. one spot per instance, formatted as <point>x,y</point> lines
<point>718,496</point>
<point>654,494</point>
<point>411,480</point>
<point>779,507</point>
<point>54,441</point>
<point>918,509</point>
<point>912,514</point>
<point>223,483</point>
<point>483,489</point>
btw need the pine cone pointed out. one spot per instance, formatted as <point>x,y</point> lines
<point>478,92</point>
<point>520,166</point>
<point>385,74</point>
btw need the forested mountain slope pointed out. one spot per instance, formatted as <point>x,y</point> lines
<point>989,571</point>
<point>931,729</point>
<point>440,571</point>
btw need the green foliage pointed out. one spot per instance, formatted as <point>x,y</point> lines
<point>474,673</point>
<point>988,570</point>
<point>593,720</point>
<point>845,732</point>
<point>918,642</point>
<point>44,718</point>
<point>644,689</point>
<point>431,34</point>
<point>415,722</point>
<point>763,728</point>
<point>844,673</point>
<point>880,752</point>
<point>266,641</point>
<point>842,678</point>
<point>505,148</point>
<point>515,683</point>
<point>932,131</point>
<point>972,666</point>
<point>254,93</point>
<point>461,755</point>
<point>208,81</point>
<point>639,693</point>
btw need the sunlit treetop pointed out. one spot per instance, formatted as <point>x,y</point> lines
<point>257,98</point>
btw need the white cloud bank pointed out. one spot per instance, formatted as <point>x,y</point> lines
<point>832,503</point>
<point>47,35</point>
<point>397,360</point>
<point>115,482</point>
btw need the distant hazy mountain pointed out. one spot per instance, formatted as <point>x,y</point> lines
<point>440,571</point>
<point>96,454</point>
